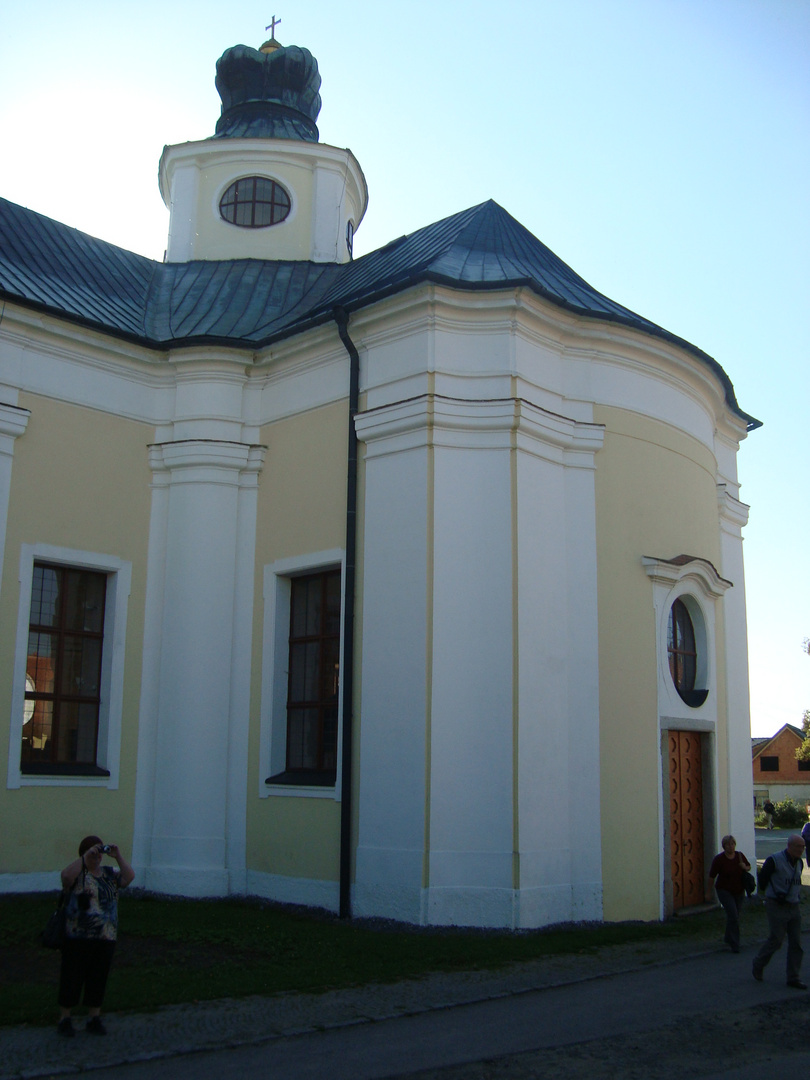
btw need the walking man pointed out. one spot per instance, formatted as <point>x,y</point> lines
<point>781,878</point>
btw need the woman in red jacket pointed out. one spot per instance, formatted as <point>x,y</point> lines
<point>726,875</point>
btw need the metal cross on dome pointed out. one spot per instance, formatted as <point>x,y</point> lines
<point>272,27</point>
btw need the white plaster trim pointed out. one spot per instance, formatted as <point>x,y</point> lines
<point>34,882</point>
<point>275,637</point>
<point>697,570</point>
<point>473,424</point>
<point>119,581</point>
<point>13,423</point>
<point>688,723</point>
<point>214,461</point>
<point>291,890</point>
<point>733,513</point>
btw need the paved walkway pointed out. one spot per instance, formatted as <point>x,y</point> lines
<point>432,1023</point>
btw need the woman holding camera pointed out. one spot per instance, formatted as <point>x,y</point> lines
<point>91,929</point>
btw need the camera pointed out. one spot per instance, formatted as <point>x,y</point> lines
<point>106,849</point>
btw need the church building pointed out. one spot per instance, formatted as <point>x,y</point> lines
<point>408,585</point>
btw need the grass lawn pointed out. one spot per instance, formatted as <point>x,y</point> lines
<point>172,951</point>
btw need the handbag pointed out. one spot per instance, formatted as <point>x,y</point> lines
<point>749,882</point>
<point>53,936</point>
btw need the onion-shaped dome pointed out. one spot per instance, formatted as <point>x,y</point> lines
<point>268,95</point>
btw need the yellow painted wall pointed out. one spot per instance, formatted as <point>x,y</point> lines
<point>290,239</point>
<point>80,479</point>
<point>302,508</point>
<point>646,474</point>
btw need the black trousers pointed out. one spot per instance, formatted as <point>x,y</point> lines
<point>85,966</point>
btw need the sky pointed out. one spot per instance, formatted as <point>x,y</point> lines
<point>660,147</point>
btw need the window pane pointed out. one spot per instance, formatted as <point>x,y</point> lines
<point>306,607</point>
<point>302,739</point>
<point>254,202</point>
<point>44,596</point>
<point>681,648</point>
<point>77,733</point>
<point>686,634</point>
<point>332,620</point>
<point>304,668</point>
<point>37,733</point>
<point>331,668</point>
<point>264,189</point>
<point>329,738</point>
<point>688,671</point>
<point>40,665</point>
<point>263,214</point>
<point>84,601</point>
<point>81,666</point>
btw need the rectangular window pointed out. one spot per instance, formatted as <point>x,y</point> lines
<point>804,766</point>
<point>769,764</point>
<point>63,670</point>
<point>313,676</point>
<point>67,687</point>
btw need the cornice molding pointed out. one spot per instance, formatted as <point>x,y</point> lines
<point>206,461</point>
<point>733,513</point>
<point>507,423</point>
<point>670,572</point>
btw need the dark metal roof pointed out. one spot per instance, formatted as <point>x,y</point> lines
<point>250,302</point>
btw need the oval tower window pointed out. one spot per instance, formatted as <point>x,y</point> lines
<point>682,650</point>
<point>254,202</point>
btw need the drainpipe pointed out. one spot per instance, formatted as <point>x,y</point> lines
<point>341,317</point>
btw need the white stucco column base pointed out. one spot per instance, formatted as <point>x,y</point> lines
<point>309,892</point>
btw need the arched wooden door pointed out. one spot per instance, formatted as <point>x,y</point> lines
<point>686,818</point>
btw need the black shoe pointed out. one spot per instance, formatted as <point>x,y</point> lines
<point>797,984</point>
<point>735,948</point>
<point>65,1027</point>
<point>95,1026</point>
<point>756,972</point>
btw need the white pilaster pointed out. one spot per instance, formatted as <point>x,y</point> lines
<point>733,517</point>
<point>192,822</point>
<point>558,678</point>
<point>480,688</point>
<point>13,422</point>
<point>394,767</point>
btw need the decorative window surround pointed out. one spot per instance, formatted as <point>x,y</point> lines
<point>273,724</point>
<point>696,582</point>
<point>119,580</point>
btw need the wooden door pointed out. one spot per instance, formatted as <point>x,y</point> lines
<point>686,818</point>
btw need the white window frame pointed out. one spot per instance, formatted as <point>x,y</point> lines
<point>275,670</point>
<point>698,585</point>
<point>119,583</point>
